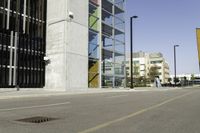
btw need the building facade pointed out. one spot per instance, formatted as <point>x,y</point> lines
<point>142,62</point>
<point>157,59</point>
<point>89,38</point>
<point>106,43</point>
<point>62,44</point>
<point>22,43</point>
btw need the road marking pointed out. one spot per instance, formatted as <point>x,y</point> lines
<point>106,124</point>
<point>38,106</point>
<point>117,96</point>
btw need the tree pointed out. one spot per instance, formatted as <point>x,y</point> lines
<point>169,80</point>
<point>192,77</point>
<point>136,72</point>
<point>176,79</point>
<point>153,72</point>
<point>143,81</point>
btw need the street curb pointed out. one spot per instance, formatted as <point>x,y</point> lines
<point>51,93</point>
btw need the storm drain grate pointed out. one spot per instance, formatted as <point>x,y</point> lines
<point>37,119</point>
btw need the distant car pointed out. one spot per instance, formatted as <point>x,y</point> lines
<point>178,84</point>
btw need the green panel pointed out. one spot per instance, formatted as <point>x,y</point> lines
<point>93,23</point>
<point>93,19</point>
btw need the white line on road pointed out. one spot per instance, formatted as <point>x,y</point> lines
<point>38,106</point>
<point>108,123</point>
<point>117,96</point>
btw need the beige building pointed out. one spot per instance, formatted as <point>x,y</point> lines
<point>157,59</point>
<point>142,62</point>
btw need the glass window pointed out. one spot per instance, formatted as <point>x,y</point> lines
<point>107,5</point>
<point>119,58</point>
<point>107,42</point>
<point>120,37</point>
<point>107,68</point>
<point>93,37</point>
<point>107,55</point>
<point>119,3</point>
<point>155,62</point>
<point>107,30</point>
<point>119,47</point>
<point>94,51</point>
<point>119,81</point>
<point>120,15</point>
<point>119,69</point>
<point>107,17</point>
<point>119,24</point>
<point>93,45</point>
<point>107,81</point>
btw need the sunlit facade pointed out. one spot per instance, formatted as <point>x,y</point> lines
<point>81,44</point>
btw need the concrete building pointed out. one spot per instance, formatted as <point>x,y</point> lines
<point>142,62</point>
<point>157,59</point>
<point>79,43</point>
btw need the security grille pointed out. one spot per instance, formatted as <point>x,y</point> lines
<point>22,43</point>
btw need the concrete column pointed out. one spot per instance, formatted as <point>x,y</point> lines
<point>67,45</point>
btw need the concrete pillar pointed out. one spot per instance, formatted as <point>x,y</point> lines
<point>67,44</point>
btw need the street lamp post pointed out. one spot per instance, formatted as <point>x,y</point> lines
<point>175,63</point>
<point>131,48</point>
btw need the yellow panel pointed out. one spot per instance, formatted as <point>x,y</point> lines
<point>93,75</point>
<point>198,42</point>
<point>93,80</point>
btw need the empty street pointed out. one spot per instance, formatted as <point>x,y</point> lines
<point>153,111</point>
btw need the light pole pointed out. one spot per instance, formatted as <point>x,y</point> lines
<point>131,48</point>
<point>175,63</point>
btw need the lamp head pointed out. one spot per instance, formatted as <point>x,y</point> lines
<point>134,17</point>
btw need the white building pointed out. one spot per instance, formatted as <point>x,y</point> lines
<point>140,62</point>
<point>187,76</point>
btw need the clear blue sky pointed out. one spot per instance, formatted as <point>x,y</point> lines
<point>163,23</point>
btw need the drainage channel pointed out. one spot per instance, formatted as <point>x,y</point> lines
<point>37,119</point>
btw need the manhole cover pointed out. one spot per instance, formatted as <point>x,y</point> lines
<point>37,119</point>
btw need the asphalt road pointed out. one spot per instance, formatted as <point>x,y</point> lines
<point>172,111</point>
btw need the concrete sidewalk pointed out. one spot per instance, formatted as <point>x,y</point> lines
<point>26,93</point>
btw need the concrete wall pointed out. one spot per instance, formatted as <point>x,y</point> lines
<point>67,45</point>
